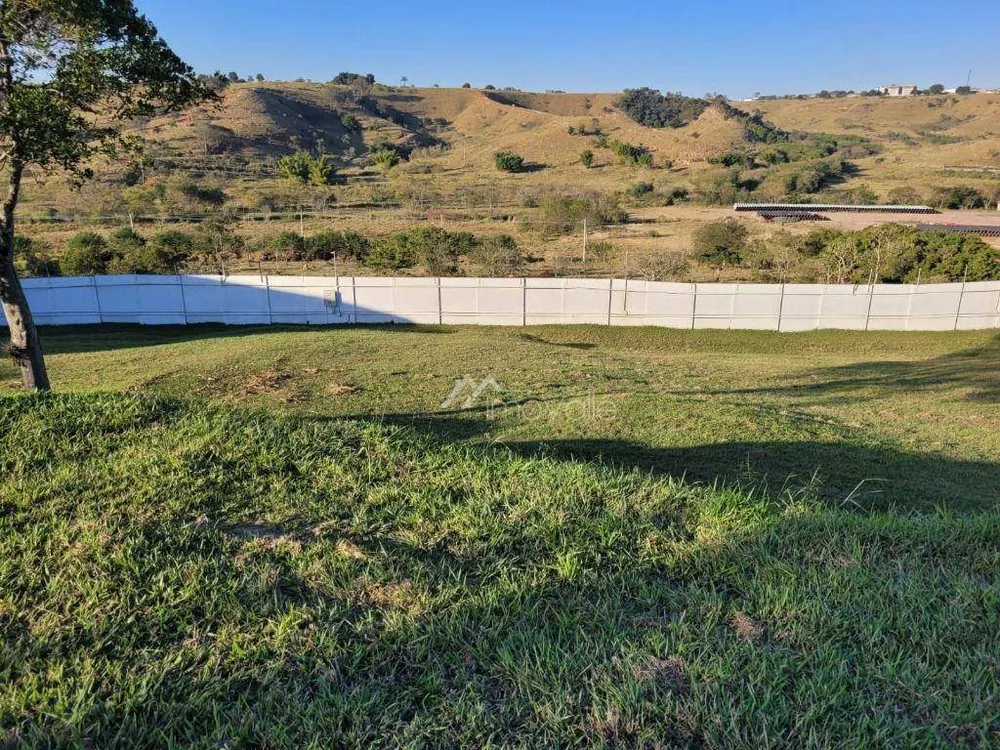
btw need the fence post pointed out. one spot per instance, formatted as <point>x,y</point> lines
<point>440,305</point>
<point>961,296</point>
<point>184,307</point>
<point>694,305</point>
<point>267,296</point>
<point>524,301</point>
<point>781,305</point>
<point>611,294</point>
<point>97,299</point>
<point>584,242</point>
<point>871,297</point>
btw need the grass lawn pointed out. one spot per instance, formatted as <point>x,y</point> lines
<point>646,538</point>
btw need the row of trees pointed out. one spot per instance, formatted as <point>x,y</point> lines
<point>125,251</point>
<point>889,253</point>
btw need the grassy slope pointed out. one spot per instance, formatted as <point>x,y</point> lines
<point>182,572</point>
<point>916,414</point>
<point>178,574</point>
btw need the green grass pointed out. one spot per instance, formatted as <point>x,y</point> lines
<point>656,540</point>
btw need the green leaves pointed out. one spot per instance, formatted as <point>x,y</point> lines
<point>71,72</point>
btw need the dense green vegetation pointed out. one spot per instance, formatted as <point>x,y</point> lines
<point>653,109</point>
<point>508,161</point>
<point>889,253</point>
<point>685,538</point>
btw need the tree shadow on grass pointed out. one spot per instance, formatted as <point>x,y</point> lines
<point>79,339</point>
<point>976,370</point>
<point>857,476</point>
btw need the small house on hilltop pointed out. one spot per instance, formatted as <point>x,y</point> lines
<point>897,90</point>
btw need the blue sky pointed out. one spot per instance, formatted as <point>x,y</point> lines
<point>734,48</point>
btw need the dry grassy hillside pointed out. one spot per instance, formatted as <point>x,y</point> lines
<point>925,140</point>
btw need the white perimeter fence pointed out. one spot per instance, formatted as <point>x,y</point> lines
<point>329,300</point>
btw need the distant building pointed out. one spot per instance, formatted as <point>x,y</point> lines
<point>897,90</point>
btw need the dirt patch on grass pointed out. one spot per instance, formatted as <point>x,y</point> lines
<point>267,381</point>
<point>340,389</point>
<point>747,628</point>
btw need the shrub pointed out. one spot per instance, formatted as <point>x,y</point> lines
<point>626,153</point>
<point>720,242</point>
<point>435,249</point>
<point>508,161</point>
<point>321,171</point>
<point>600,250</point>
<point>124,241</point>
<point>350,122</point>
<point>295,166</point>
<point>288,246</point>
<point>958,196</point>
<point>385,158</point>
<point>669,266</point>
<point>904,196</point>
<point>587,158</point>
<point>498,256</point>
<point>566,214</point>
<point>349,244</point>
<point>640,189</point>
<point>466,85</point>
<point>33,258</point>
<point>174,245</point>
<point>86,253</point>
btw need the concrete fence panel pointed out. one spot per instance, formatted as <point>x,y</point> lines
<point>240,300</point>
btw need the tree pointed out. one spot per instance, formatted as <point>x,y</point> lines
<point>508,161</point>
<point>937,88</point>
<point>260,77</point>
<point>466,85</point>
<point>720,242</point>
<point>60,63</point>
<point>963,90</point>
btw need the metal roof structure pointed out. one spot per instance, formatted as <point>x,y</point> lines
<point>829,207</point>
<point>983,230</point>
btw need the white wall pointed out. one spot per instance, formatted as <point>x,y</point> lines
<point>328,300</point>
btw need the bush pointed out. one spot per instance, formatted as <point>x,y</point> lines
<point>626,153</point>
<point>508,161</point>
<point>896,254</point>
<point>288,246</point>
<point>904,196</point>
<point>350,122</point>
<point>173,244</point>
<point>663,267</point>
<point>33,258</point>
<point>498,256</point>
<point>958,196</point>
<point>433,248</point>
<point>640,189</point>
<point>566,214</point>
<point>385,158</point>
<point>86,253</point>
<point>350,245</point>
<point>587,158</point>
<point>295,167</point>
<point>599,250</point>
<point>720,242</point>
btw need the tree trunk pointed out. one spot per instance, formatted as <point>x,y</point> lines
<point>25,348</point>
